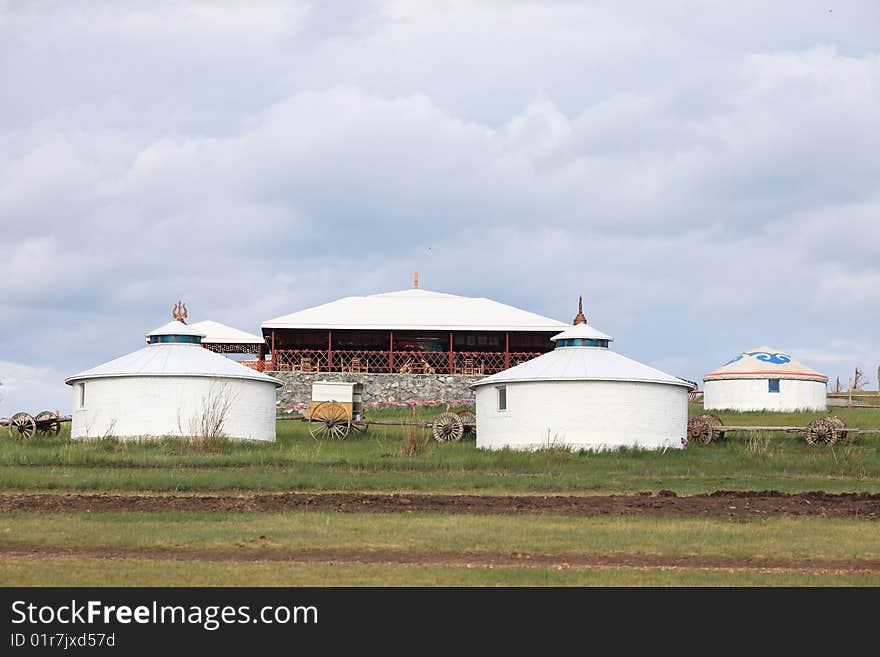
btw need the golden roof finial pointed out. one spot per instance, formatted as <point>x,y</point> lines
<point>579,318</point>
<point>179,312</point>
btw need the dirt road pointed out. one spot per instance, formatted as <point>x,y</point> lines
<point>454,559</point>
<point>728,504</point>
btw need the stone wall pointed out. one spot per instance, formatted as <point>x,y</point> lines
<point>383,388</point>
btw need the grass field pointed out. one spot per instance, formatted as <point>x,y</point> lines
<point>425,549</point>
<point>467,535</point>
<point>153,572</point>
<point>374,462</point>
<point>202,548</point>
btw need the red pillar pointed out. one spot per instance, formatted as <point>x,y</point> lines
<point>329,350</point>
<point>273,351</point>
<point>506,350</point>
<point>451,357</point>
<point>261,358</point>
<point>391,354</point>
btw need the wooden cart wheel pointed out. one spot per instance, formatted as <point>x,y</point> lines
<point>469,419</point>
<point>702,428</point>
<point>330,419</point>
<point>47,423</point>
<point>699,430</point>
<point>821,432</point>
<point>24,424</point>
<point>447,428</point>
<point>840,425</point>
<point>716,422</point>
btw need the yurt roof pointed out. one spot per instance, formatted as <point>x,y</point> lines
<point>416,309</point>
<point>582,364</point>
<point>176,328</point>
<point>764,362</point>
<point>173,360</point>
<point>582,331</point>
<point>217,333</point>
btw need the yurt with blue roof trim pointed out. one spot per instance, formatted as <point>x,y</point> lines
<point>765,379</point>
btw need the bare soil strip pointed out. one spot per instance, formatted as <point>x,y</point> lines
<point>730,504</point>
<point>455,559</point>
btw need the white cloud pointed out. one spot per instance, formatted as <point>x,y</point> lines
<point>706,189</point>
<point>31,389</point>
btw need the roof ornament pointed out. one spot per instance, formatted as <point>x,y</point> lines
<point>416,280</point>
<point>579,318</point>
<point>179,313</point>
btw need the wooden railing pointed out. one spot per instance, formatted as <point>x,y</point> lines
<point>473,363</point>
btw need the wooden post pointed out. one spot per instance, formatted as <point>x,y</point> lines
<point>261,358</point>
<point>391,354</point>
<point>274,369</point>
<point>506,350</point>
<point>329,350</point>
<point>451,356</point>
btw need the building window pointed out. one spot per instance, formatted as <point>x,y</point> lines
<point>82,395</point>
<point>502,398</point>
<point>773,385</point>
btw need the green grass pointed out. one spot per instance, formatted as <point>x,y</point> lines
<point>462,536</point>
<point>138,572</point>
<point>619,535</point>
<point>373,462</point>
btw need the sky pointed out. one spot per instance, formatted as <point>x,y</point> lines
<point>706,174</point>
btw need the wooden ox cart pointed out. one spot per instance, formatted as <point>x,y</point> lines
<point>825,431</point>
<point>24,425</point>
<point>337,408</point>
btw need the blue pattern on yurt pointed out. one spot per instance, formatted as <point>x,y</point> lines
<point>765,356</point>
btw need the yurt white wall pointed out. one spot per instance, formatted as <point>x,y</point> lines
<point>144,406</point>
<point>754,395</point>
<point>582,415</point>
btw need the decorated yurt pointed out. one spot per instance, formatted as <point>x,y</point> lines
<point>581,395</point>
<point>173,387</point>
<point>764,379</point>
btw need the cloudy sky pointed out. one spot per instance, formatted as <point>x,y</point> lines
<point>705,173</point>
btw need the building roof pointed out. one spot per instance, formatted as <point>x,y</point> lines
<point>582,364</point>
<point>217,333</point>
<point>176,328</point>
<point>764,362</point>
<point>582,331</point>
<point>416,309</point>
<point>172,360</point>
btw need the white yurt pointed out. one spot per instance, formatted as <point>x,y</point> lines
<point>581,395</point>
<point>173,387</point>
<point>764,379</point>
